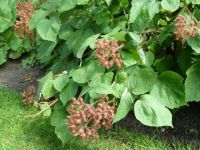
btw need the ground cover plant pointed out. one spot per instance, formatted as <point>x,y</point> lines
<point>107,58</point>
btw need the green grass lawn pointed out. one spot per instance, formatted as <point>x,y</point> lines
<point>18,133</point>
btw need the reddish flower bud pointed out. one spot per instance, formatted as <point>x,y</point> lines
<point>185,28</point>
<point>24,13</point>
<point>107,51</point>
<point>87,119</point>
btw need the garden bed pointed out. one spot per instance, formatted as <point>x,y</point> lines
<point>186,121</point>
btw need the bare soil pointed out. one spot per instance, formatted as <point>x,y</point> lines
<point>12,75</point>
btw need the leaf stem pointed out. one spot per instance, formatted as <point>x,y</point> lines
<point>40,112</point>
<point>150,31</point>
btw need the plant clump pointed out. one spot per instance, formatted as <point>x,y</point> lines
<point>145,59</point>
<point>84,119</point>
<point>24,13</point>
<point>108,53</point>
<point>185,28</point>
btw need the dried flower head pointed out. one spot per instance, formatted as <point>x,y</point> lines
<point>185,28</point>
<point>85,120</point>
<point>28,95</point>
<point>24,12</point>
<point>108,53</point>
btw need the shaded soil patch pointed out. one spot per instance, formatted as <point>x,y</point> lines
<point>12,75</point>
<point>186,124</point>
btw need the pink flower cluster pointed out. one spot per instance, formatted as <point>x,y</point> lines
<point>24,13</point>
<point>108,53</point>
<point>84,119</point>
<point>185,28</point>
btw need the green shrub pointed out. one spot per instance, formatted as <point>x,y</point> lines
<point>142,54</point>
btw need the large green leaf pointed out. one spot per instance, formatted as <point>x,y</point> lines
<point>194,43</point>
<point>101,84</point>
<point>150,112</point>
<point>135,39</point>
<point>140,80</point>
<point>149,7</point>
<point>149,58</point>
<point>59,120</point>
<point>169,90</point>
<point>101,88</point>
<point>60,82</point>
<point>85,73</point>
<point>196,13</point>
<point>45,50</point>
<point>68,92</point>
<point>48,89</point>
<point>107,78</point>
<point>164,64</point>
<point>170,5</point>
<point>81,22</point>
<point>128,58</point>
<point>65,5</point>
<point>118,36</point>
<point>121,77</point>
<point>48,28</point>
<point>184,59</point>
<point>65,32</point>
<point>42,82</point>
<point>37,17</point>
<point>192,83</point>
<point>125,106</point>
<point>193,1</point>
<point>108,2</point>
<point>141,22</point>
<point>79,43</point>
<point>45,108</point>
<point>2,56</point>
<point>15,42</point>
<point>82,2</point>
<point>119,89</point>
<point>89,41</point>
<point>99,78</point>
<point>6,14</point>
<point>167,32</point>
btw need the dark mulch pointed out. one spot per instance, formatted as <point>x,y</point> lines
<point>12,75</point>
<point>186,122</point>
